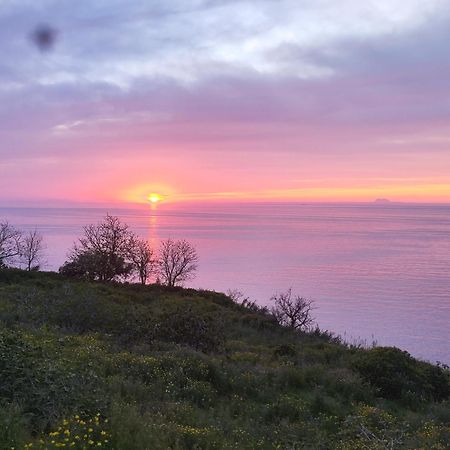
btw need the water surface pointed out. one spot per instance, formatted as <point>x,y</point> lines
<point>375,271</point>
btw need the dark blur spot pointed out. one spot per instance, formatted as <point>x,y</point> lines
<point>44,37</point>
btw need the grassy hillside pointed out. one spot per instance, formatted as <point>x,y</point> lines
<point>111,366</point>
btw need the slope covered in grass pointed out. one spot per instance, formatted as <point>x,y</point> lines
<point>113,366</point>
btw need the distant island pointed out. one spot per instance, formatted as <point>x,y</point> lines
<point>382,200</point>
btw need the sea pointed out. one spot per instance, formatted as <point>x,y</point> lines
<point>377,272</point>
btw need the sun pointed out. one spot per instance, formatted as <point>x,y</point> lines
<point>154,198</point>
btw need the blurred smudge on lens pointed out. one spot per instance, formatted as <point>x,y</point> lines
<point>44,37</point>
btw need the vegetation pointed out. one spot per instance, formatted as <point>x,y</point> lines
<point>177,262</point>
<point>19,249</point>
<point>124,366</point>
<point>109,251</point>
<point>293,311</point>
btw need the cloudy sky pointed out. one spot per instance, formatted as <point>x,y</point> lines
<point>212,99</point>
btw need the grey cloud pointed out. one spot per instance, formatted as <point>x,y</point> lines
<point>398,79</point>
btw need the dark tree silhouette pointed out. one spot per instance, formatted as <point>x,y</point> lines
<point>141,257</point>
<point>292,311</point>
<point>177,261</point>
<point>32,250</point>
<point>84,265</point>
<point>10,243</point>
<point>102,252</point>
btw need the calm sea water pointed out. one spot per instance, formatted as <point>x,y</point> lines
<point>376,271</point>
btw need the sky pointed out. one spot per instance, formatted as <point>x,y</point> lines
<point>308,100</point>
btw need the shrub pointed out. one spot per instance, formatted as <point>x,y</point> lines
<point>286,407</point>
<point>12,426</point>
<point>44,387</point>
<point>193,328</point>
<point>395,374</point>
<point>372,428</point>
<point>78,433</point>
<point>287,350</point>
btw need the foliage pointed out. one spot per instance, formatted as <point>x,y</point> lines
<point>185,326</point>
<point>32,379</point>
<point>155,367</point>
<point>77,433</point>
<point>101,253</point>
<point>93,265</point>
<point>109,251</point>
<point>13,424</point>
<point>396,375</point>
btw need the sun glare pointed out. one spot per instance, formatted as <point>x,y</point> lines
<point>154,198</point>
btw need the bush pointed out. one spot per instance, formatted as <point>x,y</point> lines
<point>286,350</point>
<point>44,387</point>
<point>193,328</point>
<point>12,426</point>
<point>396,374</point>
<point>78,432</point>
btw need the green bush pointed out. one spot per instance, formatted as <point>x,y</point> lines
<point>13,426</point>
<point>42,384</point>
<point>198,330</point>
<point>396,374</point>
<point>287,350</point>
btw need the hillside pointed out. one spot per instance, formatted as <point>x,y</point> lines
<point>86,365</point>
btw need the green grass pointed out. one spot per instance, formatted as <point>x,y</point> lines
<point>113,366</point>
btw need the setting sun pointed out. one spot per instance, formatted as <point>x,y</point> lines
<point>154,198</point>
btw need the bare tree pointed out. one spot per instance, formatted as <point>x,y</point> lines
<point>177,261</point>
<point>293,311</point>
<point>101,254</point>
<point>10,243</point>
<point>32,250</point>
<point>141,257</point>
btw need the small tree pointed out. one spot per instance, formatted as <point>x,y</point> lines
<point>141,256</point>
<point>102,252</point>
<point>32,250</point>
<point>10,243</point>
<point>292,311</point>
<point>90,265</point>
<point>177,261</point>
